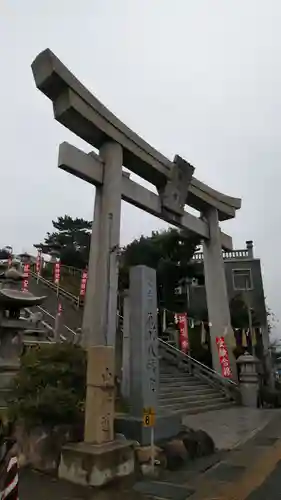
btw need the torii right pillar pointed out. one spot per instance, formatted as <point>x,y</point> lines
<point>216,292</point>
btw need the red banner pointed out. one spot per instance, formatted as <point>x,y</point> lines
<point>59,309</point>
<point>57,272</point>
<point>26,270</point>
<point>182,322</point>
<point>223,357</point>
<point>83,285</point>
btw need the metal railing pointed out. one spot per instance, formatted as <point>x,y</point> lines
<point>194,367</point>
<point>72,298</point>
<point>30,343</point>
<point>72,271</point>
<point>49,327</point>
<point>69,296</point>
<point>73,333</point>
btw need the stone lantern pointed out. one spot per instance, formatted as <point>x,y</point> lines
<point>249,379</point>
<point>13,326</point>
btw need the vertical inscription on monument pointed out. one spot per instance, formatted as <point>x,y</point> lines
<point>151,352</point>
<point>99,414</point>
<point>144,339</point>
<point>107,409</point>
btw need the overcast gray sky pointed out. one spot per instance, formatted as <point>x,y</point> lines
<point>199,78</point>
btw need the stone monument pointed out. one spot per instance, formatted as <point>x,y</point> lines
<point>144,362</point>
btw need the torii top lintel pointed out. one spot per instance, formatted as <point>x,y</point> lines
<point>82,113</point>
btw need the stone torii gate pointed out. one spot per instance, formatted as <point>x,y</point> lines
<point>79,110</point>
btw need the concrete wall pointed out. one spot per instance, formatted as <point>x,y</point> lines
<point>198,304</point>
<point>256,295</point>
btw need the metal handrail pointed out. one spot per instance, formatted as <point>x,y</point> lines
<point>222,380</point>
<point>52,285</point>
<point>36,342</point>
<point>62,292</point>
<point>69,269</point>
<point>53,317</point>
<point>46,325</point>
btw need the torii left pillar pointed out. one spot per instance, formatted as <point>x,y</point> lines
<point>100,312</point>
<point>105,457</point>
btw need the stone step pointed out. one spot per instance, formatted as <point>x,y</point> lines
<point>187,403</point>
<point>178,390</point>
<point>201,409</point>
<point>193,385</point>
<point>194,410</point>
<point>184,398</point>
<point>171,369</point>
<point>181,384</point>
<point>179,378</point>
<point>168,368</point>
<point>164,390</point>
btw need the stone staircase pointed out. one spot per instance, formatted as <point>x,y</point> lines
<point>187,386</point>
<point>185,393</point>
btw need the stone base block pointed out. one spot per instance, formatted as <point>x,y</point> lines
<point>8,371</point>
<point>96,465</point>
<point>167,426</point>
<point>249,394</point>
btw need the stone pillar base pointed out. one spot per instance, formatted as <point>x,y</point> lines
<point>96,465</point>
<point>249,394</point>
<point>8,371</point>
<point>167,426</point>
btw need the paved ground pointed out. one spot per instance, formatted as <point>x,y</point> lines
<point>232,426</point>
<point>250,471</point>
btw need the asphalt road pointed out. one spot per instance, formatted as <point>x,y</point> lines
<point>34,485</point>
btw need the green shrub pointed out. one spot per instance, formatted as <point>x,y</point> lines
<point>50,387</point>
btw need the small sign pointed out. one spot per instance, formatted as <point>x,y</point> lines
<point>148,417</point>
